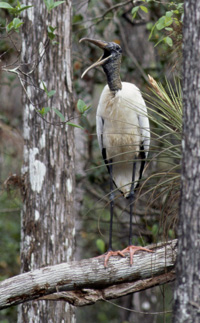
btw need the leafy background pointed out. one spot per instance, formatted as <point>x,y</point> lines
<point>150,33</point>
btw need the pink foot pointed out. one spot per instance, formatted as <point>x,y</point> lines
<point>110,253</point>
<point>132,250</point>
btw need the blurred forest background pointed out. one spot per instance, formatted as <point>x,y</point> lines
<point>150,34</point>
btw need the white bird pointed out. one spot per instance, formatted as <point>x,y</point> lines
<point>123,133</point>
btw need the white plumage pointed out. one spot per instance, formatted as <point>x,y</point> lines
<point>123,134</point>
<point>122,129</point>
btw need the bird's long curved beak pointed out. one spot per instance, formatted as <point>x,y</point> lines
<point>101,44</point>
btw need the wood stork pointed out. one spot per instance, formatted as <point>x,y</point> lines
<point>123,133</point>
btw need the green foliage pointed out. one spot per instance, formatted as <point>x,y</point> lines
<point>143,8</point>
<point>165,113</point>
<point>82,107</point>
<point>168,105</point>
<point>59,114</point>
<point>101,245</point>
<point>77,18</point>
<point>135,10</point>
<point>51,34</point>
<point>14,24</point>
<point>51,4</point>
<point>166,125</point>
<point>44,111</point>
<point>19,8</point>
<point>5,5</point>
<point>155,230</point>
<point>49,93</point>
<point>14,10</point>
<point>169,22</point>
<point>169,19</point>
<point>74,125</point>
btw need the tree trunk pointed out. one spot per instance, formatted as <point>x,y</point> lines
<point>187,301</point>
<point>47,234</point>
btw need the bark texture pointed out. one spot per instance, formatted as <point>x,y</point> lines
<point>187,293</point>
<point>90,280</point>
<point>47,235</point>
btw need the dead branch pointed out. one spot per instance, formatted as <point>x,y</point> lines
<point>88,296</point>
<point>89,280</point>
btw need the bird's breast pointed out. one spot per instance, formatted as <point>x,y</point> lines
<point>122,127</point>
<point>121,132</point>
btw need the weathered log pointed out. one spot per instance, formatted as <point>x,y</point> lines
<point>89,274</point>
<point>88,296</point>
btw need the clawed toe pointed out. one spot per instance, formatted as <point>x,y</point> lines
<point>132,250</point>
<point>110,253</point>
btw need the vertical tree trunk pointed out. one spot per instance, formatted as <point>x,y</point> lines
<point>48,213</point>
<point>187,293</point>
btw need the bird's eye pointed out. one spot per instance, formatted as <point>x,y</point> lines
<point>119,50</point>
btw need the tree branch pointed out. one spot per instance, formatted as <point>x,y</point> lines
<point>88,296</point>
<point>89,280</point>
